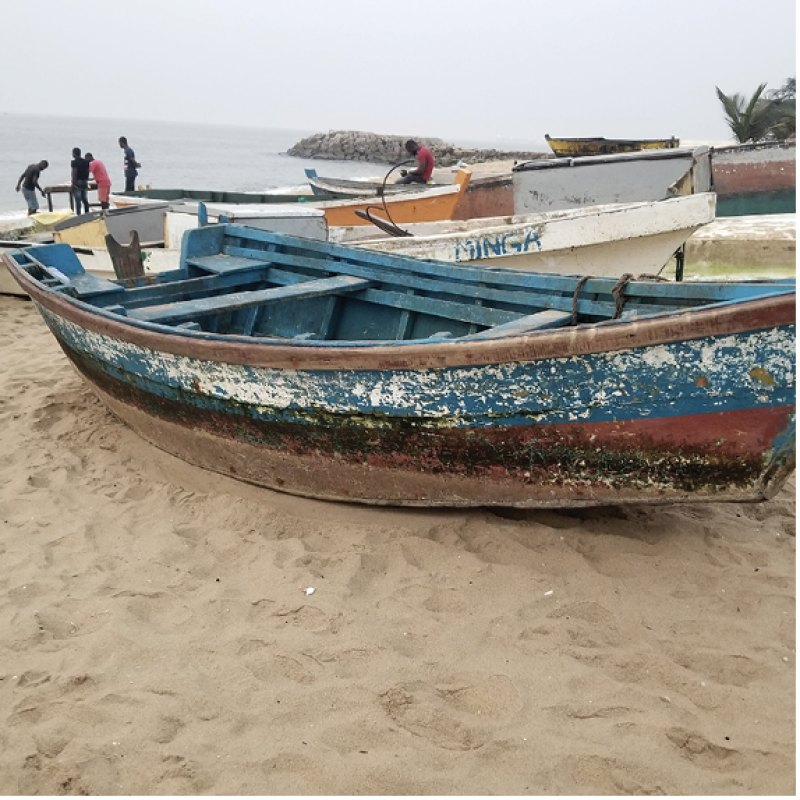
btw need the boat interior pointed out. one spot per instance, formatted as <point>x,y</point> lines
<point>236,281</point>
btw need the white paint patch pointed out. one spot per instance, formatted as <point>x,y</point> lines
<point>566,388</point>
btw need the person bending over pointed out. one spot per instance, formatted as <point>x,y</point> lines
<point>100,175</point>
<point>30,183</point>
<point>424,169</point>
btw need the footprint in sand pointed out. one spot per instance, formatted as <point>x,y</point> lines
<point>461,716</point>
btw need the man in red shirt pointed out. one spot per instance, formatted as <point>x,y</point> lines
<point>100,174</point>
<point>424,169</point>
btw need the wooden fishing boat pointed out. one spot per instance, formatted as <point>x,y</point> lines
<point>338,188</point>
<point>754,179</point>
<point>557,183</point>
<point>344,374</point>
<point>603,241</point>
<point>427,205</point>
<point>489,195</point>
<point>140,197</point>
<point>598,146</point>
<point>90,230</point>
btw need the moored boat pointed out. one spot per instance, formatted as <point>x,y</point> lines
<point>557,183</point>
<point>752,179</point>
<point>140,197</point>
<point>603,241</point>
<point>338,188</point>
<point>427,205</point>
<point>599,146</point>
<point>345,374</point>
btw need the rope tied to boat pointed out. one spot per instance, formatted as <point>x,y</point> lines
<point>578,287</point>
<point>617,292</point>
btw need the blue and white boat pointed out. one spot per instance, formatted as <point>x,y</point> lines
<point>343,374</point>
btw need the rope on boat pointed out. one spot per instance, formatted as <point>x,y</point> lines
<point>617,294</point>
<point>392,229</point>
<point>578,287</point>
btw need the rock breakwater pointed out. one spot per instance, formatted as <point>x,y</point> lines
<point>380,149</point>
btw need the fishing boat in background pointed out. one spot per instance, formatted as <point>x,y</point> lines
<point>603,241</point>
<point>427,205</point>
<point>90,230</point>
<point>351,187</point>
<point>755,178</point>
<point>193,196</point>
<point>598,146</point>
<point>743,248</point>
<point>558,183</point>
<point>344,374</point>
<point>487,195</point>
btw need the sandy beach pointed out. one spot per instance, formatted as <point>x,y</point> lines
<point>158,635</point>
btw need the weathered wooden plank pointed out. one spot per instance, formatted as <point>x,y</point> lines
<point>188,309</point>
<point>229,263</point>
<point>482,315</point>
<point>534,322</point>
<point>713,292</point>
<point>530,300</point>
<point>126,258</point>
<point>190,288</point>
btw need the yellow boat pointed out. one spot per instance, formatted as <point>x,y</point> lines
<point>598,146</point>
<point>429,205</point>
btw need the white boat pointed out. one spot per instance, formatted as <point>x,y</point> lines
<point>560,183</point>
<point>605,241</point>
<point>751,247</point>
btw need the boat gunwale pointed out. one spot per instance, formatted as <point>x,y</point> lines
<point>705,201</point>
<point>605,140</point>
<point>612,158</point>
<point>426,193</point>
<point>613,335</point>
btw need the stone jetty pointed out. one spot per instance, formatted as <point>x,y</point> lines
<point>380,149</point>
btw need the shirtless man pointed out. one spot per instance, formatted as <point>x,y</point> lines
<point>30,183</point>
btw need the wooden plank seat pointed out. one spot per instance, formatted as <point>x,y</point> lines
<point>533,322</point>
<point>502,286</point>
<point>219,264</point>
<point>65,272</point>
<point>87,285</point>
<point>189,310</point>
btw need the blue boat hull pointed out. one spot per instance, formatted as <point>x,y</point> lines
<point>696,419</point>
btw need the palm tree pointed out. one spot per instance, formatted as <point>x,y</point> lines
<point>749,120</point>
<point>784,119</point>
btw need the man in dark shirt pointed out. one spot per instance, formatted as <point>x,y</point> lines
<point>130,164</point>
<point>80,180</point>
<point>30,183</point>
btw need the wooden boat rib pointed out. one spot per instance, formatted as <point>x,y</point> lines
<point>342,374</point>
<point>599,146</point>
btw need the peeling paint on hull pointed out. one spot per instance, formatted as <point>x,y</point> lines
<point>696,420</point>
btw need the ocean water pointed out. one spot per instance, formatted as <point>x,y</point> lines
<point>173,155</point>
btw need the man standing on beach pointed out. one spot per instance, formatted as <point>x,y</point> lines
<point>424,169</point>
<point>30,183</point>
<point>130,164</point>
<point>80,180</point>
<point>100,175</point>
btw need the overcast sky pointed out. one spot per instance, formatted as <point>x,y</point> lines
<point>467,70</point>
